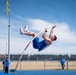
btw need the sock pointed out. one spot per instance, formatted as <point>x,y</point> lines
<point>26,28</point>
<point>21,31</point>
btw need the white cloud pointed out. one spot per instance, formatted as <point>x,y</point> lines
<point>66,37</point>
<point>38,25</point>
<point>65,34</point>
<point>63,31</point>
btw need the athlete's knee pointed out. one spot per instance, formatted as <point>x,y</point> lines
<point>35,35</point>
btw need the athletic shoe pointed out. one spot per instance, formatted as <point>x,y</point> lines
<point>26,28</point>
<point>21,30</point>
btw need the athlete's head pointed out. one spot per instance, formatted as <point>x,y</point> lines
<point>53,38</point>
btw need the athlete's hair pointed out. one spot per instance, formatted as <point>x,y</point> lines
<point>55,38</point>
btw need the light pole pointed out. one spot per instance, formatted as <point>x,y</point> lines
<point>5,50</point>
<point>9,40</point>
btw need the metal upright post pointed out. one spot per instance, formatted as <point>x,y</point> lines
<point>6,50</point>
<point>9,39</point>
<point>8,14</point>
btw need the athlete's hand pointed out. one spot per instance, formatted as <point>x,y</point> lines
<point>53,26</point>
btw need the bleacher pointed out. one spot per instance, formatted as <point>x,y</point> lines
<point>38,57</point>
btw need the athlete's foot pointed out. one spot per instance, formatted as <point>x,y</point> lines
<point>26,28</point>
<point>21,31</point>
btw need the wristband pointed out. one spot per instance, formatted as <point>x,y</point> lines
<point>45,31</point>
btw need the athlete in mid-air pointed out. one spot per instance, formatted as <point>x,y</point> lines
<point>40,45</point>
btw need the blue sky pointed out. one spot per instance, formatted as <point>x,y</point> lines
<point>39,14</point>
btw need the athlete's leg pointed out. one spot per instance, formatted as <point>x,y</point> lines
<point>25,32</point>
<point>26,28</point>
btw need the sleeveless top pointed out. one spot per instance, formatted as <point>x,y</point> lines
<point>39,45</point>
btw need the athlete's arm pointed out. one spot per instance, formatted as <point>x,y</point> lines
<point>48,41</point>
<point>53,28</point>
<point>44,34</point>
<point>51,32</point>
